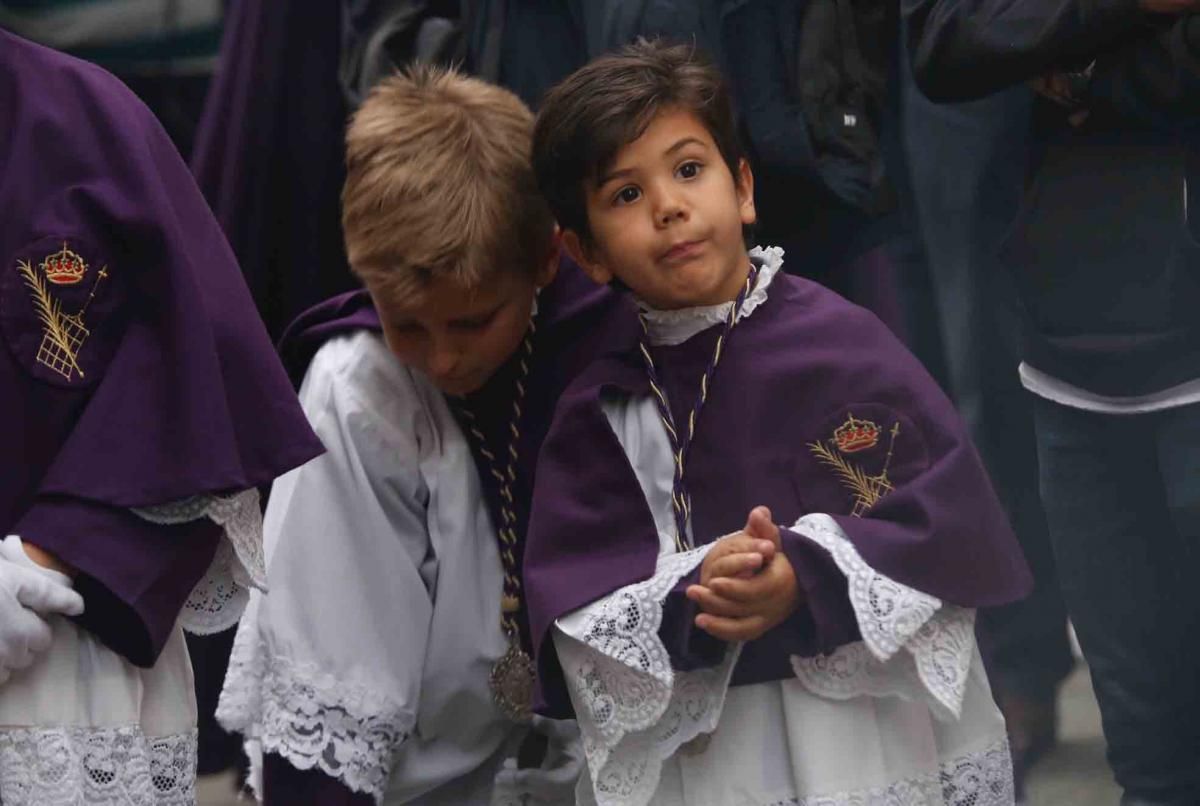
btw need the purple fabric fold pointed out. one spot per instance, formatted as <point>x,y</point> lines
<point>269,153</point>
<point>285,785</point>
<point>182,393</point>
<point>806,382</point>
<point>826,619</point>
<point>688,646</point>
<point>134,369</point>
<point>134,575</point>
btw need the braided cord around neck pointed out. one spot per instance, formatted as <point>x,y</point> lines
<point>681,500</point>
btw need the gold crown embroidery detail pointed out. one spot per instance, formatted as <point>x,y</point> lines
<point>64,267</point>
<point>857,435</point>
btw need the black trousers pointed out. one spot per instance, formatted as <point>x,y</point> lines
<point>1122,495</point>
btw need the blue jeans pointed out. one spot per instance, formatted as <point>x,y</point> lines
<point>1122,497</point>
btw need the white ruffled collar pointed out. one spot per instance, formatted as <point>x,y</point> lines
<point>675,327</point>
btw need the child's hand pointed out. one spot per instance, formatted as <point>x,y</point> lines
<point>739,555</point>
<point>741,606</point>
<point>742,554</point>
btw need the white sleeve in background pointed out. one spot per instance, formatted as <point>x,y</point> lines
<point>326,669</point>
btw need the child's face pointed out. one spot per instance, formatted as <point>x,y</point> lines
<point>667,218</point>
<point>459,338</point>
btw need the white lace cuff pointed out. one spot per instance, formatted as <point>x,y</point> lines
<point>634,710</point>
<point>217,601</point>
<point>65,766</point>
<point>939,640</point>
<point>308,716</point>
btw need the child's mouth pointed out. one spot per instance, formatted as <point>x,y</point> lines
<point>686,250</point>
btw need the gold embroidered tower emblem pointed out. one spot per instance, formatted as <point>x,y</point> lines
<point>63,334</point>
<point>853,436</point>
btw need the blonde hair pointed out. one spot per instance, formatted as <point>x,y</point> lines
<point>439,184</point>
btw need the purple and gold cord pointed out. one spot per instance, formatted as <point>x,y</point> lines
<point>510,602</point>
<point>681,500</point>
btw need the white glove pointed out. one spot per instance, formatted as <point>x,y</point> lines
<point>552,784</point>
<point>27,592</point>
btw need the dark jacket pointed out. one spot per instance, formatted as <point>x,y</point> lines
<point>802,201</point>
<point>1106,247</point>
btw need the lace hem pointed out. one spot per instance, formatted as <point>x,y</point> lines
<point>217,601</point>
<point>677,326</point>
<point>310,717</point>
<point>634,710</point>
<point>97,766</point>
<point>939,640</point>
<point>982,778</point>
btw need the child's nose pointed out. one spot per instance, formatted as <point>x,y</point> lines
<point>443,359</point>
<point>669,211</point>
<point>668,206</point>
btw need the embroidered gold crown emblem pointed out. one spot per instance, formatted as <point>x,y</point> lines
<point>63,333</point>
<point>856,435</point>
<point>64,267</point>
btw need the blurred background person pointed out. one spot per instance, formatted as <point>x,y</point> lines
<point>960,175</point>
<point>163,50</point>
<point>1106,254</point>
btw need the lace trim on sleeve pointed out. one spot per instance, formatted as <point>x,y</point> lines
<point>308,716</point>
<point>938,639</point>
<point>217,601</point>
<point>634,710</point>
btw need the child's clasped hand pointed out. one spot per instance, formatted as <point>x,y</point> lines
<point>747,585</point>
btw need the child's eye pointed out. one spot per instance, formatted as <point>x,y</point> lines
<point>476,322</point>
<point>627,195</point>
<point>689,170</point>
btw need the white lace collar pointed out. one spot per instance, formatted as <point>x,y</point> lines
<point>676,327</point>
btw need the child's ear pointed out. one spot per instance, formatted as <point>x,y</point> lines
<point>745,192</point>
<point>594,269</point>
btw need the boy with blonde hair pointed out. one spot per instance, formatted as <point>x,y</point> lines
<point>390,661</point>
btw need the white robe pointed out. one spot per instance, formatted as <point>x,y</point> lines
<point>903,718</point>
<point>368,658</point>
<point>83,725</point>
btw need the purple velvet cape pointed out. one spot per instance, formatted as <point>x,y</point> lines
<point>576,320</point>
<point>791,375</point>
<point>269,153</point>
<point>178,392</point>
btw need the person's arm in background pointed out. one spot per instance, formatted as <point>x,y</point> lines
<point>1154,79</point>
<point>964,49</point>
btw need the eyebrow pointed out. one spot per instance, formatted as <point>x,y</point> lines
<point>686,141</point>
